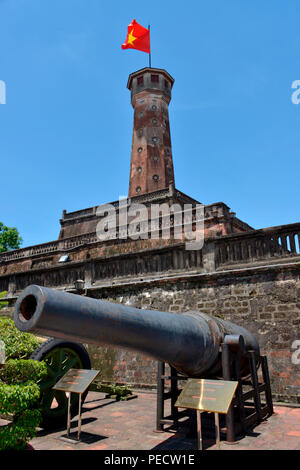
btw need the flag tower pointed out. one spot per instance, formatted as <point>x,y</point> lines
<point>151,166</point>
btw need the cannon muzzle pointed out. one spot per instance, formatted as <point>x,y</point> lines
<point>190,342</point>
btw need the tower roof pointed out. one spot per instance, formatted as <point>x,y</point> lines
<point>148,70</point>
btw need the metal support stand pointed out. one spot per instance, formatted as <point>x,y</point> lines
<point>266,379</point>
<point>227,375</point>
<point>160,396</point>
<point>163,395</point>
<point>239,391</point>
<point>256,394</point>
<point>248,413</point>
<point>174,394</point>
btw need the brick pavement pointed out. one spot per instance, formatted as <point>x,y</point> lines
<point>129,425</point>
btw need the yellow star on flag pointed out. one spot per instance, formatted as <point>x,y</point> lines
<point>131,38</point>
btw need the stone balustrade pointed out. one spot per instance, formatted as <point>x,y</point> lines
<point>28,252</point>
<point>265,244</point>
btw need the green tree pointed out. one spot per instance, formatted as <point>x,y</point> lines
<point>9,238</point>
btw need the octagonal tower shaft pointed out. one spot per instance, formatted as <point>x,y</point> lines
<point>151,166</point>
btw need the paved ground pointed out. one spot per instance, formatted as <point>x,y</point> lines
<point>128,425</point>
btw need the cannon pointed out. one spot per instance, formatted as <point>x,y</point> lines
<point>192,343</point>
<point>189,342</point>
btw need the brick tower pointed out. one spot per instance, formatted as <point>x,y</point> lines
<point>151,166</point>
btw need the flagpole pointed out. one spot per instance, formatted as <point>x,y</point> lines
<point>150,48</point>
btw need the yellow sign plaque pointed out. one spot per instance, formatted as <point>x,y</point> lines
<point>207,395</point>
<point>76,380</point>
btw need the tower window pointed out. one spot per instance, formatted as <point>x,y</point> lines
<point>139,169</point>
<point>140,80</point>
<point>154,78</point>
<point>140,149</point>
<point>138,189</point>
<point>166,84</point>
<point>155,178</point>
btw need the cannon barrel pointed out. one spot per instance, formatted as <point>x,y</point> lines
<point>190,342</point>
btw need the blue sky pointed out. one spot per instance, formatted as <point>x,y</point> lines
<point>66,128</point>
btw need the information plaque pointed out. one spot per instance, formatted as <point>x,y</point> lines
<point>213,396</point>
<point>207,395</point>
<point>76,380</point>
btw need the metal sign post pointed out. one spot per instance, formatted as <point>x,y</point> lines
<point>217,429</point>
<point>199,430</point>
<point>213,396</point>
<point>69,416</point>
<point>75,381</point>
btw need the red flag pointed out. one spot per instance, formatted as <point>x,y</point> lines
<point>138,37</point>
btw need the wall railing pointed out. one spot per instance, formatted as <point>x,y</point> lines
<point>268,243</point>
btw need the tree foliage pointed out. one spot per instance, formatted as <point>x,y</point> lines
<point>18,345</point>
<point>20,371</point>
<point>9,238</point>
<point>19,386</point>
